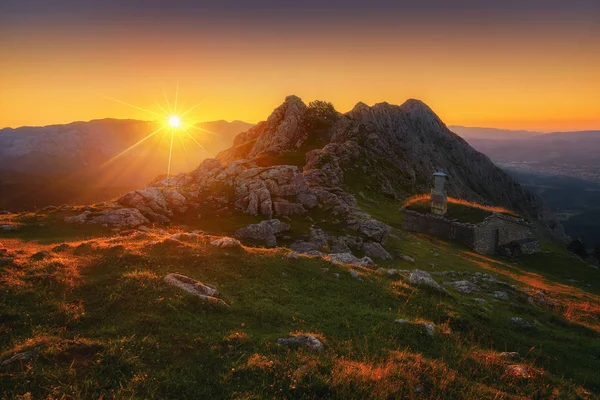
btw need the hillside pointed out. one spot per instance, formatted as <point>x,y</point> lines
<point>280,269</point>
<point>86,314</point>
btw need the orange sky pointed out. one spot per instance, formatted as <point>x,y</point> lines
<point>536,74</point>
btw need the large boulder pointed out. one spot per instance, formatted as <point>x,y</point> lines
<point>264,231</point>
<point>156,202</point>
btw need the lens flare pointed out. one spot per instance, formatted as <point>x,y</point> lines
<point>175,121</point>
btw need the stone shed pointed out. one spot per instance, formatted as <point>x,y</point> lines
<point>499,230</point>
<point>490,236</point>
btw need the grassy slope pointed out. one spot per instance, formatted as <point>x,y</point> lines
<point>106,324</point>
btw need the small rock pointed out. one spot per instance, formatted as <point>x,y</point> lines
<point>196,288</point>
<point>422,278</point>
<point>376,250</point>
<point>407,258</point>
<point>429,329</point>
<point>292,255</point>
<point>479,300</point>
<point>401,321</point>
<point>24,356</point>
<point>337,276</point>
<point>518,370</point>
<point>40,255</point>
<point>307,341</point>
<point>349,259</point>
<point>225,242</point>
<point>354,274</point>
<point>465,287</point>
<point>500,295</point>
<point>419,389</point>
<point>436,254</point>
<point>518,321</point>
<point>61,247</point>
<point>513,355</point>
<point>392,272</point>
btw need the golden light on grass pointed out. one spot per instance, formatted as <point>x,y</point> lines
<point>453,200</point>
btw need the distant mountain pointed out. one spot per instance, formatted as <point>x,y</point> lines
<point>71,162</point>
<point>575,154</point>
<point>468,133</point>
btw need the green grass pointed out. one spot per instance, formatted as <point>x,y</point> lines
<point>107,325</point>
<point>460,212</point>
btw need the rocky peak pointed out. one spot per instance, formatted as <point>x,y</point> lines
<point>283,129</point>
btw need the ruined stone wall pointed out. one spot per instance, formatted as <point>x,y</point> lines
<point>498,230</point>
<point>485,237</point>
<point>439,226</point>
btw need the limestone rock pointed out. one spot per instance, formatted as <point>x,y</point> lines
<point>465,287</point>
<point>265,231</point>
<point>122,218</point>
<point>376,250</point>
<point>349,259</point>
<point>307,341</point>
<point>422,278</point>
<point>199,289</point>
<point>225,242</point>
<point>520,322</point>
<point>429,329</point>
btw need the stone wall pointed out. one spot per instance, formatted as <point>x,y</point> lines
<point>439,226</point>
<point>495,231</point>
<point>499,230</point>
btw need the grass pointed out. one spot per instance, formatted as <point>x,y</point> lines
<point>104,324</point>
<point>460,210</point>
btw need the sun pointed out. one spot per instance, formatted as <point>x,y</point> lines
<point>175,121</point>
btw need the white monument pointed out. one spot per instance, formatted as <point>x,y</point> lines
<point>439,200</point>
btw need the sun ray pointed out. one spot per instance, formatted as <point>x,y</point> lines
<point>132,146</point>
<point>191,109</point>
<point>200,129</point>
<point>167,100</point>
<point>130,105</point>
<point>194,139</point>
<point>182,143</point>
<point>162,108</point>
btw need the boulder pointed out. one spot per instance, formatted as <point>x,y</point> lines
<point>422,278</point>
<point>349,259</point>
<point>225,242</point>
<point>198,289</point>
<point>121,218</point>
<point>265,231</point>
<point>376,250</point>
<point>465,287</point>
<point>308,341</point>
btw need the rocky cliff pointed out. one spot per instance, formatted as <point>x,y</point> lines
<point>305,158</point>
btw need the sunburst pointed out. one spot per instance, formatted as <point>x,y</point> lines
<point>172,121</point>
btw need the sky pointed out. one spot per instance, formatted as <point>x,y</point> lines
<point>513,64</point>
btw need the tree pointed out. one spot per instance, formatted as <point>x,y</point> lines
<point>320,115</point>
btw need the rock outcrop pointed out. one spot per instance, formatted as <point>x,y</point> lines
<point>266,231</point>
<point>387,150</point>
<point>121,218</point>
